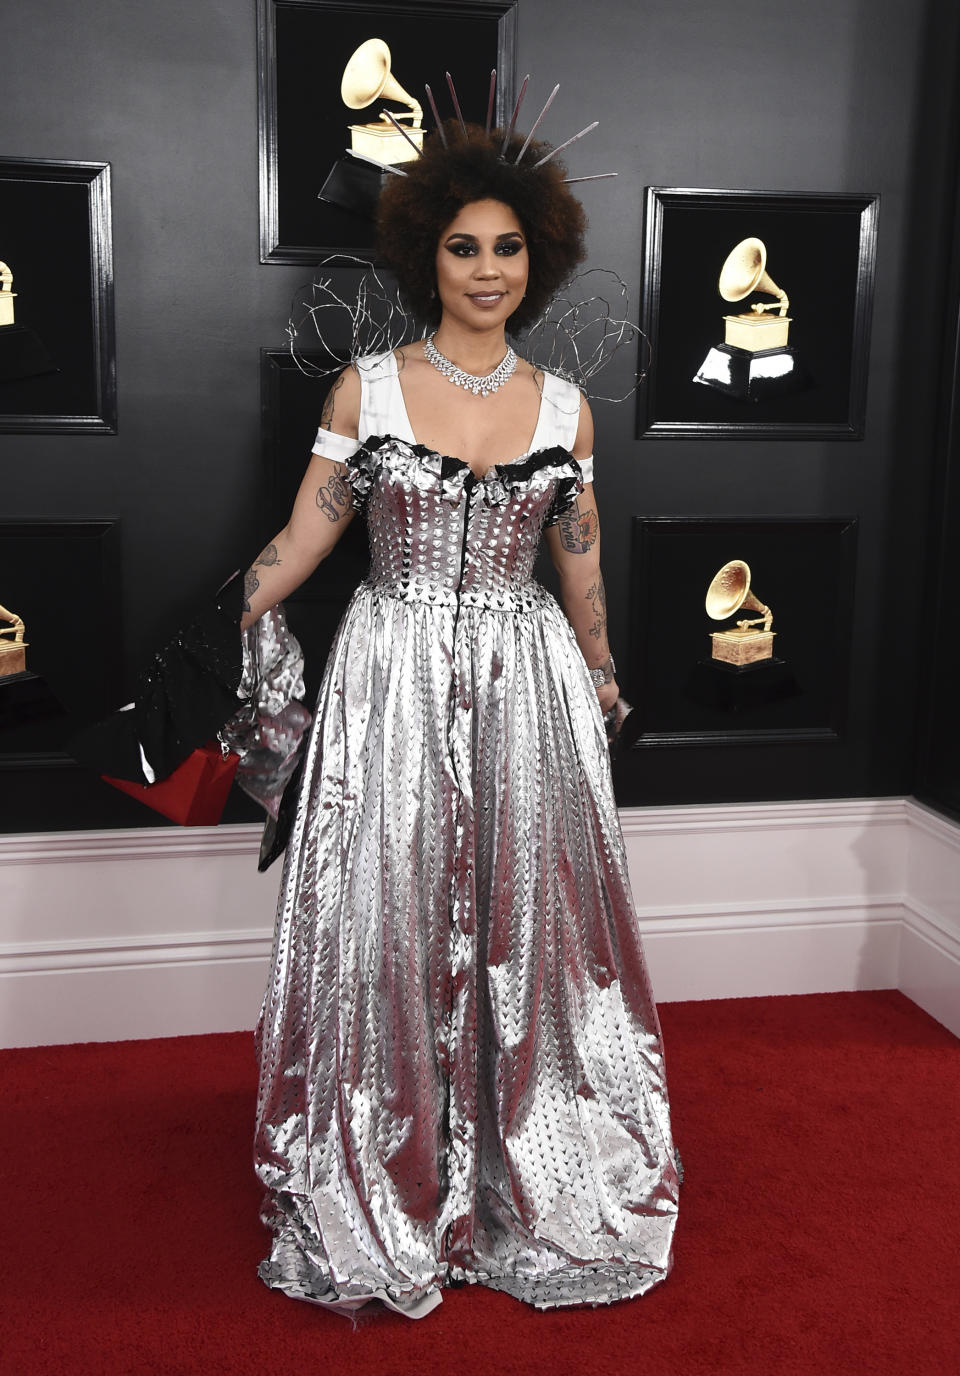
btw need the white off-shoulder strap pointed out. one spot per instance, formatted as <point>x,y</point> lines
<point>560,417</point>
<point>381,401</point>
<point>381,410</point>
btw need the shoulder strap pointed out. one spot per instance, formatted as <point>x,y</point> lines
<point>560,412</point>
<point>381,402</point>
<point>374,373</point>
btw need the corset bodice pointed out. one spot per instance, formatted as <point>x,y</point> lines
<point>433,525</point>
<point>437,531</point>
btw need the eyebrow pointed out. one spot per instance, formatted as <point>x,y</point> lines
<point>510,234</point>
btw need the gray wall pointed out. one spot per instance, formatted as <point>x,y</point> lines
<point>833,95</point>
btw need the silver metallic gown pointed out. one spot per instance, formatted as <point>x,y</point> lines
<point>461,1072</point>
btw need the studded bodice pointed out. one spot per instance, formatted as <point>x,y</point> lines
<point>434,526</point>
<point>436,530</point>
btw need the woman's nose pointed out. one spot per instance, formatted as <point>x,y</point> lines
<point>487,265</point>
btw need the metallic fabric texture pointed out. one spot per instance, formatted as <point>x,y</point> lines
<point>267,731</point>
<point>461,1071</point>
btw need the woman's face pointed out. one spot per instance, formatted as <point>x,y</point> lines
<point>482,265</point>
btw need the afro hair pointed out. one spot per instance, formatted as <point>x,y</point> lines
<point>415,209</point>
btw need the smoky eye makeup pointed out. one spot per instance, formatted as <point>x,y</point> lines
<point>465,245</point>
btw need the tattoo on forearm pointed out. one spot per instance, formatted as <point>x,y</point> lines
<point>250,584</point>
<point>329,406</point>
<point>334,497</point>
<point>268,557</point>
<point>597,597</point>
<point>578,530</point>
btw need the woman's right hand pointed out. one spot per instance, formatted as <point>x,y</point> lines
<point>608,695</point>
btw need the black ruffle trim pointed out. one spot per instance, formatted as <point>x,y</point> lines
<point>452,472</point>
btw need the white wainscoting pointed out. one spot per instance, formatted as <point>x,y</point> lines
<point>159,932</point>
<point>930,941</point>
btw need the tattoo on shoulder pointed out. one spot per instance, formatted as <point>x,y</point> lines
<point>578,530</point>
<point>333,497</point>
<point>329,406</point>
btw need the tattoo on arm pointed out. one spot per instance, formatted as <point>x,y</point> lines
<point>329,406</point>
<point>597,597</point>
<point>250,584</point>
<point>333,497</point>
<point>578,530</point>
<point>268,557</point>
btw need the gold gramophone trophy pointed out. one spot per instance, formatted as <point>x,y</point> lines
<point>367,78</point>
<point>354,182</point>
<point>13,658</point>
<point>743,644</point>
<point>21,352</point>
<point>754,362</point>
<point>32,718</point>
<point>7,295</point>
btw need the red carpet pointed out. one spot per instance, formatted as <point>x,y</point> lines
<point>819,1228</point>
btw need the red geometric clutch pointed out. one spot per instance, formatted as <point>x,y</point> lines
<point>195,794</point>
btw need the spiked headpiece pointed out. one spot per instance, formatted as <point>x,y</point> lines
<point>596,176</point>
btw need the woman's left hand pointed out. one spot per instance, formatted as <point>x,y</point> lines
<point>607,696</point>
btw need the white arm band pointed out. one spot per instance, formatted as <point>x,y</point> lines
<point>330,445</point>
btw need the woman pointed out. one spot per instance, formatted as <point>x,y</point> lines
<point>461,1071</point>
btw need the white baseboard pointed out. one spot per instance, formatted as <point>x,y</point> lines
<point>930,966</point>
<point>740,954</point>
<point>163,932</point>
<point>150,932</point>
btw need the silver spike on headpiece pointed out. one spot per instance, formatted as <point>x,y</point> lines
<point>436,116</point>
<point>550,99</point>
<point>561,146</point>
<point>397,125</point>
<point>383,166</point>
<point>516,111</point>
<point>493,91</point>
<point>456,103</point>
<point>594,177</point>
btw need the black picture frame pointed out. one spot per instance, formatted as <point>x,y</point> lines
<point>291,401</point>
<point>821,249</point>
<point>58,359</point>
<point>64,579</point>
<point>304,46</point>
<point>803,568</point>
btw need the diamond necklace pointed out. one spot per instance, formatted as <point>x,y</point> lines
<point>481,386</point>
